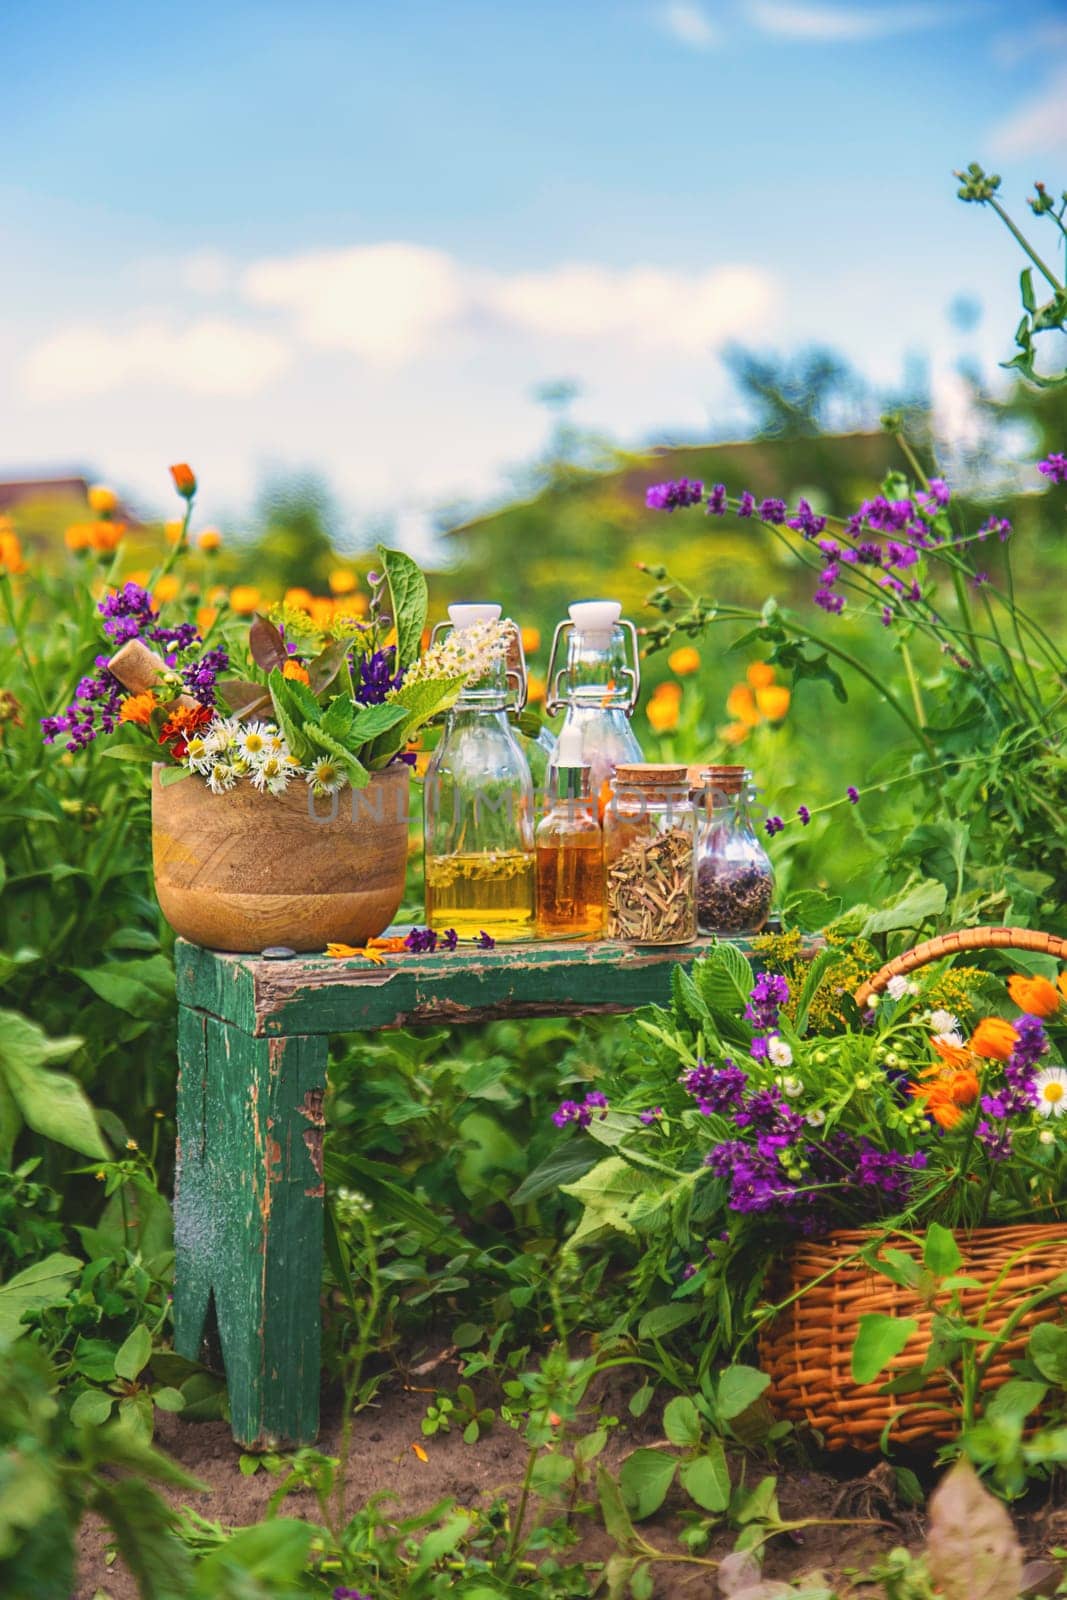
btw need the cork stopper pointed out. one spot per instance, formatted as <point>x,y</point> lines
<point>651,775</point>
<point>138,669</point>
<point>724,779</point>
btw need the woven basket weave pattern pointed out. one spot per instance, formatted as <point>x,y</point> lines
<point>808,1349</point>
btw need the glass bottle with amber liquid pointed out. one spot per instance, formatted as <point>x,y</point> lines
<point>478,804</point>
<point>569,847</point>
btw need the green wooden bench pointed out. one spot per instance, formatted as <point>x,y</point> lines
<point>252,1048</point>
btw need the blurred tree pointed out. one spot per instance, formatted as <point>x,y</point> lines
<point>798,396</point>
<point>293,545</point>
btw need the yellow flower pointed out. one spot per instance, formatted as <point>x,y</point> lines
<point>669,690</point>
<point>139,576</point>
<point>760,674</point>
<point>173,531</point>
<point>344,952</point>
<point>321,612</point>
<point>342,582</point>
<point>741,705</point>
<point>244,599</point>
<point>349,606</point>
<point>131,1144</point>
<point>102,500</point>
<point>535,688</point>
<point>1035,995</point>
<point>206,617</point>
<point>299,599</point>
<point>78,535</point>
<point>773,701</point>
<point>209,539</point>
<point>684,660</point>
<point>168,588</point>
<point>11,553</point>
<point>296,670</point>
<point>531,640</point>
<point>106,536</point>
<point>138,708</point>
<point>662,713</point>
<point>736,733</point>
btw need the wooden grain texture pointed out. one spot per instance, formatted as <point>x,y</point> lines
<point>316,995</point>
<point>244,870</point>
<point>248,1221</point>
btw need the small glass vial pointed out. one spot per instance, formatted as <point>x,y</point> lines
<point>650,829</point>
<point>569,847</point>
<point>597,684</point>
<point>735,881</point>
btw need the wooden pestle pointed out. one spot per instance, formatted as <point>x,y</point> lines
<point>138,669</point>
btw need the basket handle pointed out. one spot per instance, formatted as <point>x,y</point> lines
<point>947,944</point>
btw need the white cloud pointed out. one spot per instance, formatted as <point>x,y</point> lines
<point>828,23</point>
<point>385,302</point>
<point>207,272</point>
<point>644,307</point>
<point>208,356</point>
<point>690,24</point>
<point>1038,127</point>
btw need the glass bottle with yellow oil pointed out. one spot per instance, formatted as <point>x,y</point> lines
<point>570,852</point>
<point>478,805</point>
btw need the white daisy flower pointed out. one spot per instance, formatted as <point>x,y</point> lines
<point>1051,1086</point>
<point>898,987</point>
<point>223,736</point>
<point>792,1087</point>
<point>253,742</point>
<point>943,1022</point>
<point>816,1118</point>
<point>271,775</point>
<point>326,776</point>
<point>1046,1136</point>
<point>198,755</point>
<point>242,766</point>
<point>954,1039</point>
<point>222,777</point>
<point>276,745</point>
<point>779,1052</point>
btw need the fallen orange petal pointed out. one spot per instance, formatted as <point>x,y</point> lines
<point>420,1452</point>
<point>343,952</point>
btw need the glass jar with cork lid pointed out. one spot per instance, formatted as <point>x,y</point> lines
<point>735,880</point>
<point>650,829</point>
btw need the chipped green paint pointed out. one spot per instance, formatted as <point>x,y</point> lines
<point>252,1045</point>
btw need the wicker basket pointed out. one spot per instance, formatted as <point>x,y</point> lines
<point>808,1349</point>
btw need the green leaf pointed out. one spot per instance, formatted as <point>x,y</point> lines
<point>644,1479</point>
<point>606,1192</point>
<point>613,1509</point>
<point>567,1163</point>
<point>45,1283</point>
<point>409,597</point>
<point>1015,1400</point>
<point>724,979</point>
<point>288,716</point>
<point>421,701</point>
<point>143,1527</point>
<point>91,1409</point>
<point>706,1479</point>
<point>171,775</point>
<point>327,664</point>
<point>810,909</point>
<point>319,739</point>
<point>168,1399</point>
<point>1048,1351</point>
<point>134,1354</point>
<point>370,721</point>
<point>922,902</point>
<point>51,1103</point>
<point>738,1388</point>
<point>132,752</point>
<point>268,1553</point>
<point>879,1341</point>
<point>681,1422</point>
<point>661,1320</point>
<point>140,988</point>
<point>441,1542</point>
<point>641,1399</point>
<point>941,1254</point>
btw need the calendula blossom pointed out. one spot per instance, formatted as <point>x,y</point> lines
<point>1037,995</point>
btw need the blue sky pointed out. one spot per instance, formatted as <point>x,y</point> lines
<point>356,236</point>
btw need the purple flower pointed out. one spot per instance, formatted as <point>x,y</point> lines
<point>421,941</point>
<point>938,497</point>
<point>997,1141</point>
<point>715,1089</point>
<point>200,676</point>
<point>772,511</point>
<point>804,814</point>
<point>882,516</point>
<point>806,522</point>
<point>899,555</point>
<point>769,993</point>
<point>853,794</point>
<point>581,1115</point>
<point>1032,1045</point>
<point>127,612</point>
<point>998,525</point>
<point>746,505</point>
<point>485,941</point>
<point>1054,467</point>
<point>376,676</point>
<point>979,579</point>
<point>716,506</point>
<point>774,825</point>
<point>449,939</point>
<point>829,547</point>
<point>688,1271</point>
<point>669,496</point>
<point>833,603</point>
<point>652,1115</point>
<point>887,616</point>
<point>341,1593</point>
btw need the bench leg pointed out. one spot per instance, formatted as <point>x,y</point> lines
<point>248,1220</point>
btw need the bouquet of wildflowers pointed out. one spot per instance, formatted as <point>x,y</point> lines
<point>293,701</point>
<point>745,1131</point>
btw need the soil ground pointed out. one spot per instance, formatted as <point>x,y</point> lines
<point>383,1458</point>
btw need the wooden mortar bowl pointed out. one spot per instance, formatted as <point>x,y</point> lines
<point>245,870</point>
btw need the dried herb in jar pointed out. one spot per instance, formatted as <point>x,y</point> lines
<point>651,891</point>
<point>733,896</point>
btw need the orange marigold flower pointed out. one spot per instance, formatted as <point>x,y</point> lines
<point>206,617</point>
<point>138,708</point>
<point>1037,996</point>
<point>684,660</point>
<point>299,599</point>
<point>394,945</point>
<point>244,599</point>
<point>106,536</point>
<point>209,539</point>
<point>297,671</point>
<point>184,479</point>
<point>342,582</point>
<point>736,733</point>
<point>168,588</point>
<point>344,952</point>
<point>669,690</point>
<point>78,535</point>
<point>773,701</point>
<point>741,705</point>
<point>11,553</point>
<point>994,1039</point>
<point>953,1055</point>
<point>662,713</point>
<point>1062,981</point>
<point>183,721</point>
<point>531,640</point>
<point>535,688</point>
<point>760,674</point>
<point>102,500</point>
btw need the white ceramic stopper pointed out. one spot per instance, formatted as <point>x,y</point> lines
<point>594,620</point>
<point>568,752</point>
<point>470,613</point>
